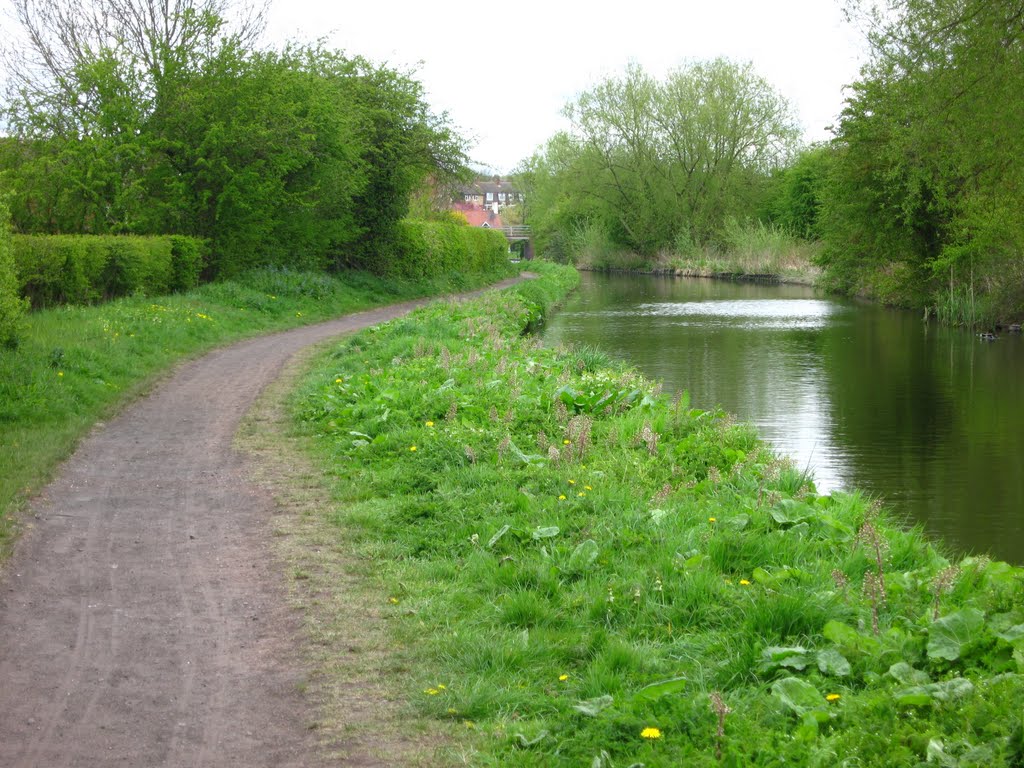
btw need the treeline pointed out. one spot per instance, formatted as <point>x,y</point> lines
<point>149,118</point>
<point>918,200</point>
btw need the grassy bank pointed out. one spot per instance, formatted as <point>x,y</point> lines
<point>752,250</point>
<point>582,571</point>
<point>76,365</point>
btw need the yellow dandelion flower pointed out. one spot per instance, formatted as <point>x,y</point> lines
<point>60,373</point>
<point>566,442</point>
<point>442,687</point>
<point>650,733</point>
<point>833,697</point>
<point>393,600</point>
<point>563,678</point>
<point>744,582</point>
<point>412,448</point>
<point>430,423</point>
<point>712,519</point>
<point>572,482</point>
<point>561,497</point>
<point>339,381</point>
<point>587,487</point>
<point>581,493</point>
<point>431,691</point>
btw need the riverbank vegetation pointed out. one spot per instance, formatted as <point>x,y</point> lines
<point>584,571</point>
<point>916,201</point>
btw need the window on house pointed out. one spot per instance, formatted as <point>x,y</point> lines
<point>490,197</point>
<point>501,197</point>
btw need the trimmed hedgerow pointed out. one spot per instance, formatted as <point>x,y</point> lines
<point>428,248</point>
<point>83,269</point>
<point>12,306</point>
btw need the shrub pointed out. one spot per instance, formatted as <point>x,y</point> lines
<point>430,248</point>
<point>82,269</point>
<point>12,306</point>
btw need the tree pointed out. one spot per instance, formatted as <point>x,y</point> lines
<point>655,162</point>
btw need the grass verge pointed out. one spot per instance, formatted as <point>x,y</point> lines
<point>76,365</point>
<point>588,573</point>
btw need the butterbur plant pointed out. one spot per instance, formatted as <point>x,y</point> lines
<point>942,583</point>
<point>841,582</point>
<point>869,537</point>
<point>875,593</point>
<point>719,707</point>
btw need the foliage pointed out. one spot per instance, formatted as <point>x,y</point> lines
<point>83,269</point>
<point>75,365</point>
<point>591,577</point>
<point>425,248</point>
<point>652,162</point>
<point>301,157</point>
<point>12,306</point>
<point>924,194</point>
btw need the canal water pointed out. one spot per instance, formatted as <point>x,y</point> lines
<point>929,419</point>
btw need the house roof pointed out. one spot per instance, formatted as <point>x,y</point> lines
<point>482,217</point>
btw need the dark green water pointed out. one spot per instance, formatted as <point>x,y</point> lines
<point>930,419</point>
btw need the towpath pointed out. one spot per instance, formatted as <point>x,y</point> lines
<point>143,619</point>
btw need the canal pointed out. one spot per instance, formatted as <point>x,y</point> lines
<point>929,419</point>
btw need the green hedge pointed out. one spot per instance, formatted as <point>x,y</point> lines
<point>12,306</point>
<point>429,248</point>
<point>82,269</point>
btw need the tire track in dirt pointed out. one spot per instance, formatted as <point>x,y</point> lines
<point>142,619</point>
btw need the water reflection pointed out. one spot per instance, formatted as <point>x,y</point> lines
<point>929,418</point>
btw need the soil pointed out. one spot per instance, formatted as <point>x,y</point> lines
<point>143,617</point>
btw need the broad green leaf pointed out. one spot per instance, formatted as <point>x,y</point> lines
<point>1013,634</point>
<point>545,532</point>
<point>923,695</point>
<point>948,636</point>
<point>917,696</point>
<point>522,741</point>
<point>794,657</point>
<point>584,555</point>
<point>832,662</point>
<point>657,690</point>
<point>497,537</point>
<point>907,675</point>
<point>737,522</point>
<point>791,512</point>
<point>798,695</point>
<point>593,707</point>
<point>848,638</point>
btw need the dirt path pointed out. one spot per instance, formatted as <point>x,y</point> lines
<point>142,619</point>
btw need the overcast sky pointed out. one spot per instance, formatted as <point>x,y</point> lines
<point>503,71</point>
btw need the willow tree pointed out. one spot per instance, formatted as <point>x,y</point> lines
<point>656,162</point>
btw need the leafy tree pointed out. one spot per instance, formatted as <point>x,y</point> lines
<point>652,163</point>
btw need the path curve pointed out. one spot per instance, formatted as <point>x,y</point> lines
<point>142,619</point>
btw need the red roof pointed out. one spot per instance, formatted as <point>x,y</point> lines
<point>479,217</point>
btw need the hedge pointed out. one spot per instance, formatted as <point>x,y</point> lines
<point>82,269</point>
<point>429,248</point>
<point>12,306</point>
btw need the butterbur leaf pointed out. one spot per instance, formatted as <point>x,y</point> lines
<point>497,537</point>
<point>1013,634</point>
<point>832,662</point>
<point>923,695</point>
<point>916,696</point>
<point>659,689</point>
<point>791,512</point>
<point>794,657</point>
<point>545,532</point>
<point>848,638</point>
<point>948,636</point>
<point>797,695</point>
<point>907,675</point>
<point>584,555</point>
<point>524,743</point>
<point>593,707</point>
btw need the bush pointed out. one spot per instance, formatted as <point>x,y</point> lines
<point>430,248</point>
<point>12,306</point>
<point>83,269</point>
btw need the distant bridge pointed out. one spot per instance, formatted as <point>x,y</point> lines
<point>520,233</point>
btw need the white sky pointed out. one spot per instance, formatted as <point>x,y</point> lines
<point>503,71</point>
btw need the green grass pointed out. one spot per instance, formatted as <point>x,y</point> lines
<point>569,559</point>
<point>76,365</point>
